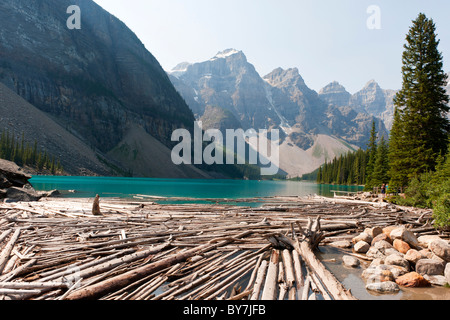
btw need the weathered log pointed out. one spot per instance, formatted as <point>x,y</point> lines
<point>4,256</point>
<point>97,290</point>
<point>259,280</point>
<point>270,285</point>
<point>335,288</point>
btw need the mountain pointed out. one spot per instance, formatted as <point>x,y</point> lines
<point>313,128</point>
<point>21,118</point>
<point>227,80</point>
<point>99,83</point>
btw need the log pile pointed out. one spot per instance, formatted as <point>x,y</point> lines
<point>56,249</point>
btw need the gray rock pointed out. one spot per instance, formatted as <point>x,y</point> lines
<point>430,267</point>
<point>388,287</point>
<point>361,247</point>
<point>436,280</point>
<point>441,249</point>
<point>397,260</point>
<point>12,175</point>
<point>22,194</point>
<point>350,261</point>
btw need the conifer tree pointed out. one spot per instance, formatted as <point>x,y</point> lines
<point>372,153</point>
<point>381,169</point>
<point>421,125</point>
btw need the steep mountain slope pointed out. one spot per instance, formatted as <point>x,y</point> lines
<point>98,82</point>
<point>280,100</point>
<point>19,117</point>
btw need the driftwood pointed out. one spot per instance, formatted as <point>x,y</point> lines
<point>141,250</point>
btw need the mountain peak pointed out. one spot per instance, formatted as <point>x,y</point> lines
<point>227,53</point>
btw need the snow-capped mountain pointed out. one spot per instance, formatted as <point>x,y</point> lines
<point>314,126</point>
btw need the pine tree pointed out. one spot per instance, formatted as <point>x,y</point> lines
<point>422,124</point>
<point>380,173</point>
<point>397,155</point>
<point>372,154</point>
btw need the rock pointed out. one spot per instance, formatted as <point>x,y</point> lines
<point>362,237</point>
<point>398,271</point>
<point>424,241</point>
<point>436,280</point>
<point>381,236</point>
<point>375,253</point>
<point>361,247</point>
<point>12,174</point>
<point>441,248</point>
<point>396,260</point>
<point>401,246</point>
<point>341,244</point>
<point>387,230</point>
<point>22,194</point>
<point>373,232</point>
<point>381,276</point>
<point>430,267</point>
<point>447,273</point>
<point>350,261</point>
<point>412,280</point>
<point>413,256</point>
<point>401,233</point>
<point>387,287</point>
<point>382,244</point>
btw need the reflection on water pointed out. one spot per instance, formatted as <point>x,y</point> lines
<point>351,279</point>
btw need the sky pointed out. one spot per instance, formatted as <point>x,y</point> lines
<point>349,41</point>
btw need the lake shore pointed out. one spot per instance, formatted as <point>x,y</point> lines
<point>141,250</point>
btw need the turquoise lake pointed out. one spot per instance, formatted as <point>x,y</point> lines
<point>211,189</point>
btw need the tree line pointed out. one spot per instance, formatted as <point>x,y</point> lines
<point>23,154</point>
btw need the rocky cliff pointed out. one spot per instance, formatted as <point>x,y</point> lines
<point>314,126</point>
<point>97,82</point>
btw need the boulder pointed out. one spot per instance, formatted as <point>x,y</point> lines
<point>382,276</point>
<point>430,267</point>
<point>382,244</point>
<point>441,249</point>
<point>381,236</point>
<point>388,287</point>
<point>447,273</point>
<point>350,261</point>
<point>375,253</point>
<point>23,194</point>
<point>401,233</point>
<point>362,237</point>
<point>396,260</point>
<point>413,256</point>
<point>361,247</point>
<point>387,230</point>
<point>401,246</point>
<point>412,280</point>
<point>373,232</point>
<point>436,280</point>
<point>11,174</point>
<point>424,241</point>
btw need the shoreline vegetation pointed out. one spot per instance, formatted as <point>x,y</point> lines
<point>140,250</point>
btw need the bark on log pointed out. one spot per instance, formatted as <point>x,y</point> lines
<point>100,289</point>
<point>4,257</point>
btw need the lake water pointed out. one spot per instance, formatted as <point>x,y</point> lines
<point>181,188</point>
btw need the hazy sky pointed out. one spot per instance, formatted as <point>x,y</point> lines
<point>326,40</point>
